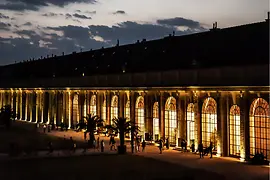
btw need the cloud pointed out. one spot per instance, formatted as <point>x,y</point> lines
<point>4,26</point>
<point>119,12</point>
<point>2,16</point>
<point>34,5</point>
<point>51,14</point>
<point>18,7</point>
<point>81,16</point>
<point>91,12</point>
<point>56,40</point>
<point>68,16</point>
<point>179,21</point>
<point>27,24</point>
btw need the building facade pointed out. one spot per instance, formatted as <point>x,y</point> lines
<point>225,104</point>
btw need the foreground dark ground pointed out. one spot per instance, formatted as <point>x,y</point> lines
<point>99,167</point>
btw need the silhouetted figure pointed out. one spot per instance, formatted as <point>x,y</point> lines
<point>192,147</point>
<point>167,143</point>
<point>97,143</point>
<point>84,135</point>
<point>94,144</point>
<point>44,128</point>
<point>211,149</point>
<point>200,148</point>
<point>50,147</point>
<point>138,144</point>
<point>160,146</point>
<point>73,145</point>
<point>102,145</point>
<point>143,145</point>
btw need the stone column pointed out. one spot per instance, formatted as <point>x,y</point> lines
<point>198,119</point>
<point>244,120</point>
<point>148,114</point>
<point>37,107</point>
<point>108,102</point>
<point>162,115</point>
<point>21,105</point>
<point>26,106</point>
<point>222,114</point>
<point>181,117</point>
<point>99,104</point>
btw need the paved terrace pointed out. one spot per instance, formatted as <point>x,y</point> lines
<point>231,168</point>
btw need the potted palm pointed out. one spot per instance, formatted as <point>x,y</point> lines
<point>122,126</point>
<point>92,123</point>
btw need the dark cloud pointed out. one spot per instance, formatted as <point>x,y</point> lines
<point>78,11</point>
<point>21,5</point>
<point>119,12</point>
<point>51,14</point>
<point>179,21</point>
<point>2,16</point>
<point>68,16</point>
<point>4,26</point>
<point>75,37</point>
<point>81,16</point>
<point>18,7</point>
<point>27,24</point>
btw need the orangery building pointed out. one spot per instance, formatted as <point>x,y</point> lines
<point>205,87</point>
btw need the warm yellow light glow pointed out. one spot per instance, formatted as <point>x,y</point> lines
<point>218,148</point>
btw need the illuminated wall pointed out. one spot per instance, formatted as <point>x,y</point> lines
<point>139,115</point>
<point>260,128</point>
<point>114,108</point>
<point>171,120</point>
<point>75,111</point>
<point>235,135</point>
<point>191,132</point>
<point>209,122</point>
<point>93,105</point>
<point>156,129</point>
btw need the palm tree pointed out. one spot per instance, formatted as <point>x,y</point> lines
<point>122,126</point>
<point>92,122</point>
<point>6,116</point>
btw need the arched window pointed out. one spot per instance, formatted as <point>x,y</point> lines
<point>209,122</point>
<point>104,111</point>
<point>235,130</point>
<point>76,117</point>
<point>114,108</point>
<point>127,110</point>
<point>93,105</point>
<point>139,115</point>
<point>191,133</point>
<point>156,121</point>
<point>171,120</point>
<point>259,127</point>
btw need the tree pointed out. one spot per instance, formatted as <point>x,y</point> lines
<point>122,126</point>
<point>92,122</point>
<point>6,116</point>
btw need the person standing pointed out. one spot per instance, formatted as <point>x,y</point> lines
<point>160,146</point>
<point>143,145</point>
<point>102,145</point>
<point>211,149</point>
<point>200,148</point>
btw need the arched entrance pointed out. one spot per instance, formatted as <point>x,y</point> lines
<point>127,110</point>
<point>209,122</point>
<point>93,105</point>
<point>75,109</point>
<point>114,108</point>
<point>235,135</point>
<point>191,133</point>
<point>139,115</point>
<point>171,120</point>
<point>156,121</point>
<point>259,128</point>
